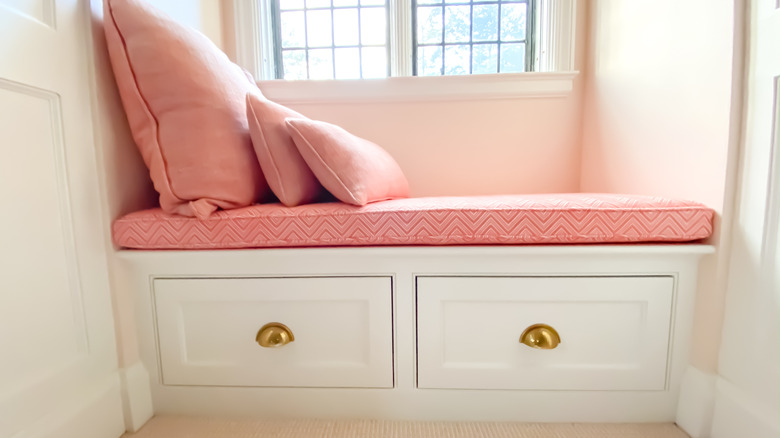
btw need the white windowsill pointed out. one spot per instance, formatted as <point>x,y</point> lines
<point>421,89</point>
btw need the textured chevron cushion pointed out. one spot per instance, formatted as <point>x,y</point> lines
<point>487,220</point>
<point>352,169</point>
<point>184,100</point>
<point>287,174</point>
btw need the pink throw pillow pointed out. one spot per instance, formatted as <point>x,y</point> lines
<point>354,170</point>
<point>285,170</point>
<point>184,100</point>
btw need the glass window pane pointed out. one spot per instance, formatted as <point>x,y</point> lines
<point>317,3</point>
<point>320,64</point>
<point>318,26</point>
<point>485,23</point>
<point>456,60</point>
<point>484,59</point>
<point>429,61</point>
<point>294,62</point>
<point>429,25</point>
<point>293,25</point>
<point>513,21</point>
<point>428,2</point>
<point>345,27</point>
<point>512,58</point>
<point>290,4</point>
<point>348,63</point>
<point>374,62</point>
<point>457,24</point>
<point>373,26</point>
<point>372,2</point>
<point>456,1</point>
<point>338,3</point>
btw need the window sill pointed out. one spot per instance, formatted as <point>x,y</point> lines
<point>422,89</point>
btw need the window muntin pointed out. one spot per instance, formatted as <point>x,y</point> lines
<point>331,39</point>
<point>454,37</point>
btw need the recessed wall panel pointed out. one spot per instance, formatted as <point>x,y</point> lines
<point>39,10</point>
<point>39,302</point>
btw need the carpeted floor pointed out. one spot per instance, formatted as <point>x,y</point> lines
<point>194,427</point>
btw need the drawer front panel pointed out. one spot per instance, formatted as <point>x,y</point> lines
<point>342,328</point>
<point>614,332</point>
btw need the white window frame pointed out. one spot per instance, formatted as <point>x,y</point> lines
<point>555,39</point>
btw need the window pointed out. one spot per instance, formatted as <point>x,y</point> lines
<point>469,37</point>
<point>327,39</point>
<point>548,44</point>
<point>349,39</point>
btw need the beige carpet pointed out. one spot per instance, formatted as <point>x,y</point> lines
<point>193,427</point>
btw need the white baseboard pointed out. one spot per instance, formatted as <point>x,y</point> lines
<point>696,403</point>
<point>738,415</point>
<point>94,413</point>
<point>136,396</point>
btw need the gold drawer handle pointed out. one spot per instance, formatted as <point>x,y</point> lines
<point>540,336</point>
<point>274,334</point>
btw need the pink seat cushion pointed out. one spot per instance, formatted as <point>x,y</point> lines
<point>482,220</point>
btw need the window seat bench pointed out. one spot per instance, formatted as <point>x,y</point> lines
<point>557,307</point>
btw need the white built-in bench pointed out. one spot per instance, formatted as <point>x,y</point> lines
<point>425,308</point>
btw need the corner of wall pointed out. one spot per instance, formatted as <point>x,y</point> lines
<point>124,180</point>
<point>136,396</point>
<point>582,62</point>
<point>696,402</point>
<point>736,415</point>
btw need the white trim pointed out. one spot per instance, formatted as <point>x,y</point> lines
<point>228,257</point>
<point>400,43</point>
<point>428,88</point>
<point>136,396</point>
<point>696,402</point>
<point>557,30</point>
<point>737,414</point>
<point>254,38</point>
<point>92,413</point>
<point>771,244</point>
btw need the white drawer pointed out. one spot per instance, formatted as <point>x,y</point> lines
<point>342,329</point>
<point>614,332</point>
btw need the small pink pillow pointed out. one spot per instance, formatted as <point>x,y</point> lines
<point>354,170</point>
<point>184,100</point>
<point>287,174</point>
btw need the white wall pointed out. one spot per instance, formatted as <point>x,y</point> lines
<point>748,385</point>
<point>657,118</point>
<point>471,147</point>
<point>204,15</point>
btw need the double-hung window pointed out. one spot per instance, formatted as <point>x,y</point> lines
<point>428,49</point>
<point>350,39</point>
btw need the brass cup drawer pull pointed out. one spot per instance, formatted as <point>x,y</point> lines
<point>273,335</point>
<point>540,336</point>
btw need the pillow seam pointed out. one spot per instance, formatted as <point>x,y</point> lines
<point>267,150</point>
<point>147,109</point>
<point>324,163</point>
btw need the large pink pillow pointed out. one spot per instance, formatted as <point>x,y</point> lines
<point>287,174</point>
<point>354,170</point>
<point>184,100</point>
